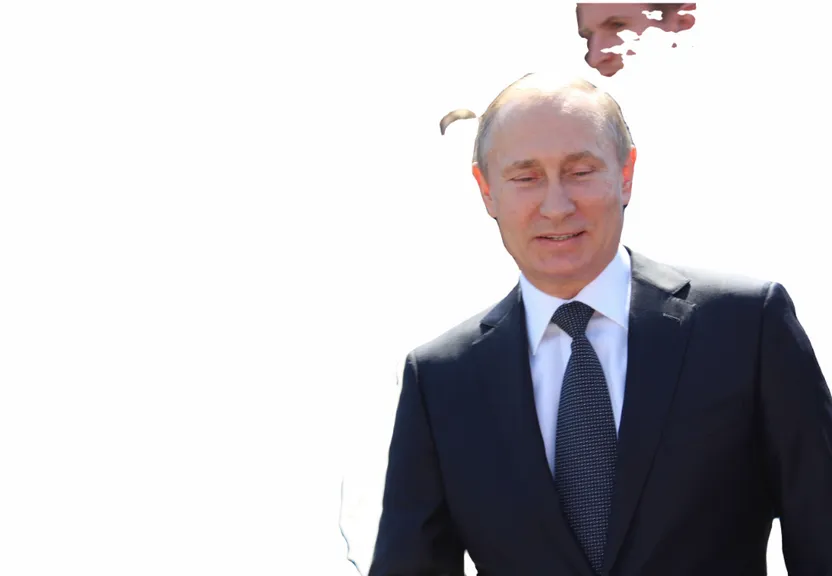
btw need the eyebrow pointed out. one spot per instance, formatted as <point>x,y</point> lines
<point>569,159</point>
<point>520,165</point>
<point>583,155</point>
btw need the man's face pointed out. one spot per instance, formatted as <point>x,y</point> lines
<point>601,24</point>
<point>556,189</point>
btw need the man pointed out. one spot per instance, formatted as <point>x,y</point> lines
<point>611,415</point>
<point>601,26</point>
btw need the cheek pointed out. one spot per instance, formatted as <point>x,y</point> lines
<point>607,41</point>
<point>640,28</point>
<point>517,215</point>
<point>518,218</point>
<point>596,191</point>
<point>597,200</point>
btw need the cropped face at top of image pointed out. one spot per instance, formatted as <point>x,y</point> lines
<point>606,27</point>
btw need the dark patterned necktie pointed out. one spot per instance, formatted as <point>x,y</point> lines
<point>585,446</point>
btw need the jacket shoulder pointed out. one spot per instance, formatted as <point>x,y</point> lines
<point>708,286</point>
<point>454,342</point>
<point>700,285</point>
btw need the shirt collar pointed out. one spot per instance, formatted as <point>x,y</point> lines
<point>608,294</point>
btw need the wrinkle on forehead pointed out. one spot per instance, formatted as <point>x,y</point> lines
<point>562,92</point>
<point>570,102</point>
<point>592,15</point>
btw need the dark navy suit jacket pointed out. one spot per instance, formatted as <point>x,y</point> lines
<point>727,424</point>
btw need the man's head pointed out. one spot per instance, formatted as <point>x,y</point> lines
<point>554,163</point>
<point>601,24</point>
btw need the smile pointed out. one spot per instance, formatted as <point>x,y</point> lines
<point>562,237</point>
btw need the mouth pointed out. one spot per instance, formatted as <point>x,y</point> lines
<point>611,66</point>
<point>560,237</point>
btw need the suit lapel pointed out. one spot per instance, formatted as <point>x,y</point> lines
<point>659,327</point>
<point>502,366</point>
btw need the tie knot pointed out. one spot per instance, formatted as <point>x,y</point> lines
<point>573,318</point>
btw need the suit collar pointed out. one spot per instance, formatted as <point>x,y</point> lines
<point>643,270</point>
<point>660,326</point>
<point>661,276</point>
<point>500,312</point>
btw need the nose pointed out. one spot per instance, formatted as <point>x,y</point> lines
<point>557,203</point>
<point>598,42</point>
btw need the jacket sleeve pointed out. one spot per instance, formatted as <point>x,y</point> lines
<point>416,536</point>
<point>797,423</point>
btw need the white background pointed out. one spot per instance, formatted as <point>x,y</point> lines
<point>223,225</point>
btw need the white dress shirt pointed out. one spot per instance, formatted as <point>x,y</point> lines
<point>550,347</point>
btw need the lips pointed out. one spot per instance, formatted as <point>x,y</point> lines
<point>560,237</point>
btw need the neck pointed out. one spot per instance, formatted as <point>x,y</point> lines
<point>564,291</point>
<point>568,288</point>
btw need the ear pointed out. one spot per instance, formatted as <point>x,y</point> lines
<point>485,190</point>
<point>627,177</point>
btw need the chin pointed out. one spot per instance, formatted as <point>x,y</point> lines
<point>575,268</point>
<point>566,271</point>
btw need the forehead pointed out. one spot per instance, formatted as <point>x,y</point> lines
<point>593,16</point>
<point>539,127</point>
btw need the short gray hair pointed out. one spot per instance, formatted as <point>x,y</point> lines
<point>620,132</point>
